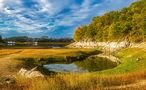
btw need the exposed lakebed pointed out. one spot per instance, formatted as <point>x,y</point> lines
<point>91,64</point>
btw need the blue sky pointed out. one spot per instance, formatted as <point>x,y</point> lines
<point>53,18</point>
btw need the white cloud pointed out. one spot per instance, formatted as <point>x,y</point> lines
<point>52,7</point>
<point>36,20</point>
<point>46,6</point>
<point>78,14</point>
<point>1,4</point>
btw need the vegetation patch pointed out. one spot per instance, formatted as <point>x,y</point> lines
<point>132,60</point>
<point>94,63</point>
<point>86,81</point>
<point>59,55</point>
<point>126,24</point>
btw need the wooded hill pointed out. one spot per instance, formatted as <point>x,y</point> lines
<point>126,24</point>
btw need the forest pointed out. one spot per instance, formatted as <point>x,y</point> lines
<point>126,24</point>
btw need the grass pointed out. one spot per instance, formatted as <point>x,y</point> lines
<point>30,58</point>
<point>131,70</point>
<point>4,52</point>
<point>86,81</point>
<point>51,52</point>
<point>43,56</point>
<point>44,53</point>
<point>94,63</point>
<point>133,59</point>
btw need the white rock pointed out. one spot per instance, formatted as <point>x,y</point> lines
<point>105,45</point>
<point>30,73</point>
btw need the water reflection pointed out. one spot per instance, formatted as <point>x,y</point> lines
<point>64,68</point>
<point>88,65</point>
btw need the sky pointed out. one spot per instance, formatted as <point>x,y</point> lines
<point>52,18</point>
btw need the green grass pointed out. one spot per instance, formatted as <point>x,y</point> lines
<point>94,63</point>
<point>133,59</point>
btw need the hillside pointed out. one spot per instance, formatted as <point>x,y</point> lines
<point>126,24</point>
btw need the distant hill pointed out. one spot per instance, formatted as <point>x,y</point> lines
<point>126,24</point>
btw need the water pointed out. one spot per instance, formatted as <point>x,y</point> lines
<point>91,64</point>
<point>64,68</point>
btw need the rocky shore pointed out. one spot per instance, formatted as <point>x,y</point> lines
<point>108,46</point>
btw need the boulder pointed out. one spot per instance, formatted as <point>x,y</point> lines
<point>30,73</point>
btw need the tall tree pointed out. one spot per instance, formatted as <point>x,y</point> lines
<point>127,23</point>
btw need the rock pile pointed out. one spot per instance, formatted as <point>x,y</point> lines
<point>104,45</point>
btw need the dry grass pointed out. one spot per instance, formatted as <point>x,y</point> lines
<point>125,80</point>
<point>37,53</point>
<point>87,81</point>
<point>45,54</point>
<point>4,52</point>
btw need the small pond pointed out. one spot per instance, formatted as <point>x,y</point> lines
<point>91,64</point>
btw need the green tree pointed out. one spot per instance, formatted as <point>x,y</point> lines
<point>127,23</point>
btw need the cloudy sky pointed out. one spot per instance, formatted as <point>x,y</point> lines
<point>54,18</point>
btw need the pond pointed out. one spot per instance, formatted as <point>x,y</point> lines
<point>90,64</point>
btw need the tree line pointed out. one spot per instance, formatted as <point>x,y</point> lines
<point>126,24</point>
<point>30,39</point>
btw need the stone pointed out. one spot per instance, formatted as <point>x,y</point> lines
<point>30,73</point>
<point>110,46</point>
